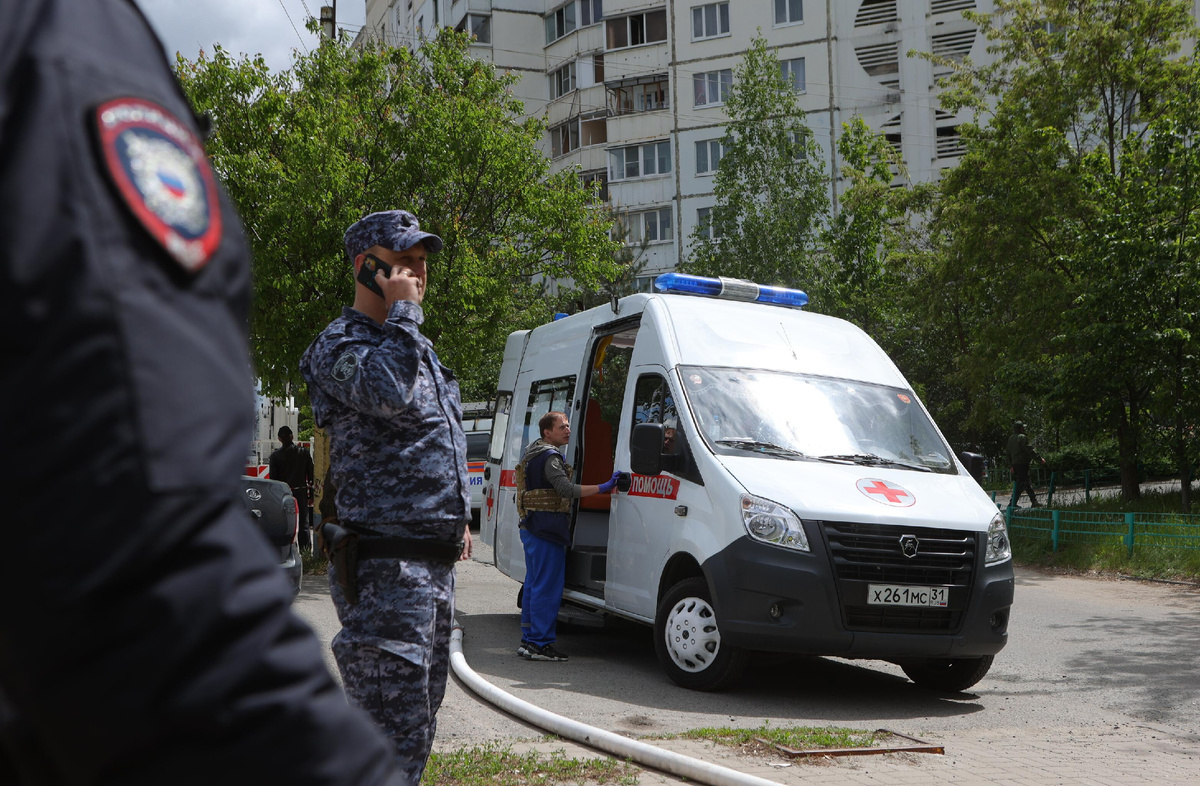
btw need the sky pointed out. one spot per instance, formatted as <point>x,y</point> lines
<point>272,27</point>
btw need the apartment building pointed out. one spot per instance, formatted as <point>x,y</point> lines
<point>633,90</point>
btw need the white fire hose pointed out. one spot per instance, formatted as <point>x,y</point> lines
<point>623,747</point>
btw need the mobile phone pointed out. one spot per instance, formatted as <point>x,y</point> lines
<point>366,273</point>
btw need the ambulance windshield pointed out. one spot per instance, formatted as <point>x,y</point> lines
<point>793,416</point>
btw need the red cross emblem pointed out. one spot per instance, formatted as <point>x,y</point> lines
<point>886,493</point>
<point>489,503</point>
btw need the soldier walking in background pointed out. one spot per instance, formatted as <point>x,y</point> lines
<point>398,458</point>
<point>1020,453</point>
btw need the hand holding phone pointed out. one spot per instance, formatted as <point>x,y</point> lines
<point>366,273</point>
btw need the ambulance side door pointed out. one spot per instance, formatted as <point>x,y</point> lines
<point>493,472</point>
<point>643,521</point>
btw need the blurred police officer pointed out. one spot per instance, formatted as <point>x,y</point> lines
<point>146,637</point>
<point>398,458</point>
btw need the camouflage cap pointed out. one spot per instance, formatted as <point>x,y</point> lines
<point>395,230</point>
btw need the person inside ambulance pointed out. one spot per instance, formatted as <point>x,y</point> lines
<point>544,494</point>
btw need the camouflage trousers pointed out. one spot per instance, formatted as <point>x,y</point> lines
<point>394,650</point>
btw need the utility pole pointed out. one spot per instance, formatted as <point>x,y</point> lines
<point>329,20</point>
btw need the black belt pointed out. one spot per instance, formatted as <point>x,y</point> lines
<point>373,545</point>
<point>409,548</point>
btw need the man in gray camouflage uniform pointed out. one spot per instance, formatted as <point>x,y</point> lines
<point>397,454</point>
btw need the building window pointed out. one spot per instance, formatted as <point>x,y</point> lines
<point>645,94</point>
<point>708,156</point>
<point>560,22</point>
<point>626,163</point>
<point>591,12</point>
<point>651,226</point>
<point>712,87</point>
<point>709,21</point>
<point>789,11</point>
<point>793,73</point>
<point>562,81</point>
<point>704,223</point>
<point>480,27</point>
<point>800,149</point>
<point>564,138</point>
<point>646,28</point>
<point>593,129</point>
<point>596,176</point>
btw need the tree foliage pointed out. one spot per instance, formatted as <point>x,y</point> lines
<point>344,132</point>
<point>1069,223</point>
<point>770,187</point>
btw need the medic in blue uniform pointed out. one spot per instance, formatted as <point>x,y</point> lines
<point>147,636</point>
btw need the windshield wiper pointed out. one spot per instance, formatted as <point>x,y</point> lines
<point>745,443</point>
<point>871,460</point>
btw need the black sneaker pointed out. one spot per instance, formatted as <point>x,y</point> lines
<point>523,649</point>
<point>545,652</point>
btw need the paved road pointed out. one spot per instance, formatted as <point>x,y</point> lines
<point>1100,684</point>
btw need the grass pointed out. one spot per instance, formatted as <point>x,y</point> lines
<point>796,737</point>
<point>314,562</point>
<point>1107,554</point>
<point>493,765</point>
<point>498,765</point>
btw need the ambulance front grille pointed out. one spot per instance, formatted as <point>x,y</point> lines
<point>864,554</point>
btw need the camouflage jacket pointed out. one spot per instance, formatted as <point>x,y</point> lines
<point>393,413</point>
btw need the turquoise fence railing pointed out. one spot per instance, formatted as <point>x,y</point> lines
<point>1131,530</point>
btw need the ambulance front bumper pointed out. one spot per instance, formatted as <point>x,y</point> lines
<point>779,600</point>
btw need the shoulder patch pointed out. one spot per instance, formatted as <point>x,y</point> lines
<point>160,170</point>
<point>345,367</point>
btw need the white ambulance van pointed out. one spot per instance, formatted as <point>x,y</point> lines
<point>786,491</point>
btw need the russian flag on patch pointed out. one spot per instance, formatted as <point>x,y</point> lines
<point>160,170</point>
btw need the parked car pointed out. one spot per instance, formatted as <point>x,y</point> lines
<point>275,511</point>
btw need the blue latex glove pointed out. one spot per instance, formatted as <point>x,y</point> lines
<point>609,484</point>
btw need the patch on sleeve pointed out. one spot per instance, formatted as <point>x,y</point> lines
<point>345,367</point>
<point>160,170</point>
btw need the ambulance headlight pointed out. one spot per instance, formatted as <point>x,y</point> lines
<point>772,523</point>
<point>998,547</point>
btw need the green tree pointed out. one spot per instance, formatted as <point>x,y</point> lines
<point>860,280</point>
<point>1046,216</point>
<point>770,187</point>
<point>344,132</point>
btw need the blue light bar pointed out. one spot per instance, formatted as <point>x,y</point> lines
<point>730,289</point>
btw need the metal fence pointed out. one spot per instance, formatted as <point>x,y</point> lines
<point>1065,527</point>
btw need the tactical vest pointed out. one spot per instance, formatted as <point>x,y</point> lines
<point>541,498</point>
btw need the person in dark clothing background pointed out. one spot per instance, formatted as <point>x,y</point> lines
<point>149,637</point>
<point>1020,454</point>
<point>294,466</point>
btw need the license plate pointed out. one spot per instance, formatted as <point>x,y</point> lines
<point>900,595</point>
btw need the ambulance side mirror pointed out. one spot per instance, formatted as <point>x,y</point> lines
<point>645,449</point>
<point>974,464</point>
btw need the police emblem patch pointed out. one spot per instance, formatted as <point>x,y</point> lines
<point>345,366</point>
<point>160,170</point>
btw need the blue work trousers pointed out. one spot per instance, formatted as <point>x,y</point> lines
<point>545,571</point>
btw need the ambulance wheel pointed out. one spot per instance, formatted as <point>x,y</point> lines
<point>688,643</point>
<point>948,674</point>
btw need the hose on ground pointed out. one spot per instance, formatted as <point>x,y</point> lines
<point>615,744</point>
